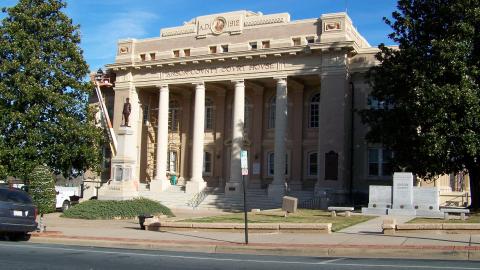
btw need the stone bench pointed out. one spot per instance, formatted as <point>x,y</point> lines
<point>448,211</point>
<point>334,209</point>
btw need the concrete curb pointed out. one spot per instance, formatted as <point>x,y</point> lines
<point>284,227</point>
<point>282,249</point>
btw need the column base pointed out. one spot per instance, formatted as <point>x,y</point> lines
<point>118,190</point>
<point>159,185</point>
<point>195,186</point>
<point>233,188</point>
<point>276,191</point>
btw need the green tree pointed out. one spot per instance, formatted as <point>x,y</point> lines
<point>433,80</point>
<point>42,189</point>
<point>44,113</point>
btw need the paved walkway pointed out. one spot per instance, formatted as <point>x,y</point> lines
<point>374,225</point>
<point>361,240</point>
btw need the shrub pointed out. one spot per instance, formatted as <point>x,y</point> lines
<point>42,189</point>
<point>95,209</point>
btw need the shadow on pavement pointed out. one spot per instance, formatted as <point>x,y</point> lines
<point>379,234</point>
<point>200,237</point>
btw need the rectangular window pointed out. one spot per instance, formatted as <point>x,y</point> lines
<point>172,161</point>
<point>379,162</point>
<point>253,45</point>
<point>313,164</point>
<point>213,49</point>
<point>207,163</point>
<point>296,41</point>
<point>310,40</point>
<point>152,56</point>
<point>224,48</point>
<point>271,164</point>
<point>176,53</point>
<point>265,44</point>
<point>142,57</point>
<point>186,52</point>
<point>146,114</point>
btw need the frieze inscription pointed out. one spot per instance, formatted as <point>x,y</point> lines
<point>222,70</point>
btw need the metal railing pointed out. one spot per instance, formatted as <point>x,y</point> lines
<point>198,198</point>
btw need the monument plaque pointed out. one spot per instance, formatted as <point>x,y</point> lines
<point>402,194</point>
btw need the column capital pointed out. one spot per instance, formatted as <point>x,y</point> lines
<point>197,84</point>
<point>238,81</point>
<point>162,87</point>
<point>281,80</point>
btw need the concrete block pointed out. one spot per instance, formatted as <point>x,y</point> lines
<point>264,226</point>
<point>176,224</point>
<point>461,226</point>
<point>289,204</point>
<point>201,225</point>
<point>419,226</point>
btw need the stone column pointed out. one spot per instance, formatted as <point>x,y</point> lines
<point>277,188</point>
<point>196,183</point>
<point>160,181</point>
<point>219,136</point>
<point>334,132</point>
<point>234,184</point>
<point>185,136</point>
<point>257,131</point>
<point>296,135</point>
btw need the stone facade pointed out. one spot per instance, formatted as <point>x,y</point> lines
<point>283,90</point>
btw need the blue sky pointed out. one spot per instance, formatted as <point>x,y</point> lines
<point>103,22</point>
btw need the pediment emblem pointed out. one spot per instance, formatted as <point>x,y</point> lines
<point>218,25</point>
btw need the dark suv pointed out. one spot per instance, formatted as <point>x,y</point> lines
<point>17,214</point>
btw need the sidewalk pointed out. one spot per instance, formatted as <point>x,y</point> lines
<point>361,240</point>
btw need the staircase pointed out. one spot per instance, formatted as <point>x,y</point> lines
<point>256,198</point>
<point>173,197</point>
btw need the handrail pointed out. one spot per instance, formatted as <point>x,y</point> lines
<point>197,199</point>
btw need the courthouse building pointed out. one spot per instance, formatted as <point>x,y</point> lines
<point>284,90</point>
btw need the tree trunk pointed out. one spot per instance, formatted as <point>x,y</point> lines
<point>474,174</point>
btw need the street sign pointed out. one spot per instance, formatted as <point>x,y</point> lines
<point>244,171</point>
<point>243,159</point>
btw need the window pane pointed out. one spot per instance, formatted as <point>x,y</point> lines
<point>271,160</point>
<point>373,161</point>
<point>313,164</point>
<point>373,169</point>
<point>386,166</point>
<point>271,113</point>
<point>314,115</point>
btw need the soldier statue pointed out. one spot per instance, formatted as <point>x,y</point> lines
<point>127,109</point>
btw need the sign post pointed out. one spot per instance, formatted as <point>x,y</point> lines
<point>244,166</point>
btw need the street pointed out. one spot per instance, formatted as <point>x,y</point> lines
<point>43,256</point>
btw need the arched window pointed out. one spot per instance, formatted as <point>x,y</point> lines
<point>207,163</point>
<point>312,164</point>
<point>314,111</point>
<point>246,114</point>
<point>271,112</point>
<point>173,115</point>
<point>209,114</point>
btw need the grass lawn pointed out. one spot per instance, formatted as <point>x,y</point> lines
<point>302,216</point>
<point>473,218</point>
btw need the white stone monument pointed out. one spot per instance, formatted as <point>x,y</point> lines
<point>426,201</point>
<point>379,200</point>
<point>402,194</point>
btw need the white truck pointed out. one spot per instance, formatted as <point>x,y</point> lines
<point>66,196</point>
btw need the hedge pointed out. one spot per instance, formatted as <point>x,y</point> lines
<point>96,209</point>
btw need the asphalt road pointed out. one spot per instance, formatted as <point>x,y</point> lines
<point>23,255</point>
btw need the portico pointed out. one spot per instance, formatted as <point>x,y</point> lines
<point>203,91</point>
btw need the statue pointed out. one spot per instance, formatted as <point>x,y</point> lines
<point>127,109</point>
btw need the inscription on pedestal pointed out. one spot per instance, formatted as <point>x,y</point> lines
<point>403,190</point>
